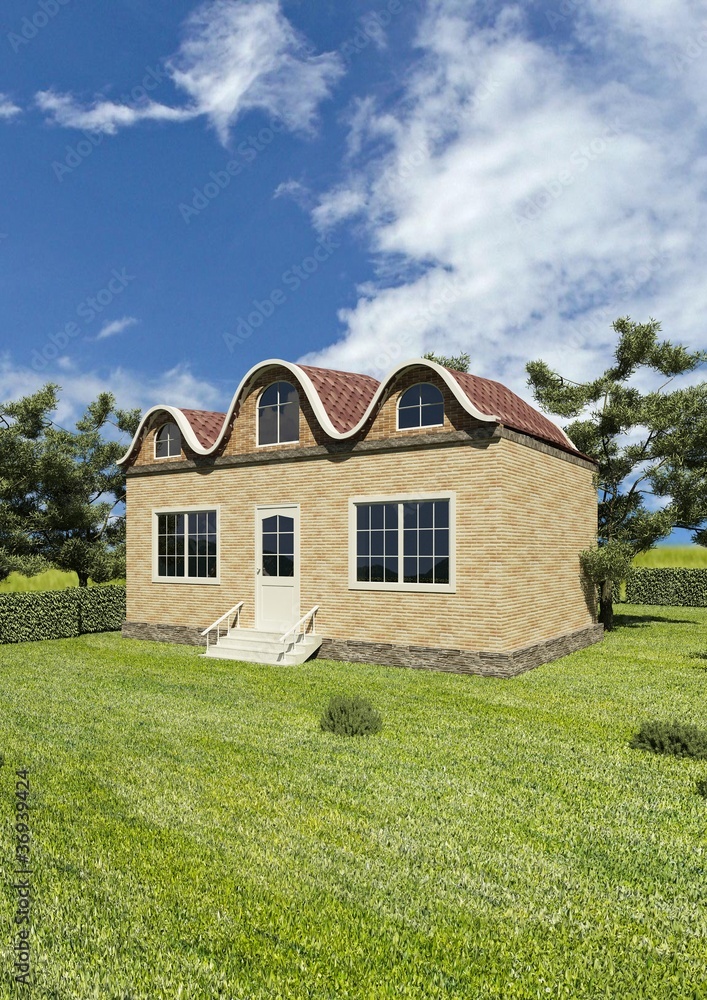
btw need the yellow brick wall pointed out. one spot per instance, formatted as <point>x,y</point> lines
<point>522,517</point>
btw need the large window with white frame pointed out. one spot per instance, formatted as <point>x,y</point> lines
<point>168,441</point>
<point>421,405</point>
<point>403,542</point>
<point>185,545</point>
<point>278,414</point>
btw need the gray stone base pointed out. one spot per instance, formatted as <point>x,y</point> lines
<point>456,661</point>
<point>184,634</point>
<point>461,661</point>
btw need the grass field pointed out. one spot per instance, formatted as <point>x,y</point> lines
<point>674,555</point>
<point>195,835</point>
<point>51,579</point>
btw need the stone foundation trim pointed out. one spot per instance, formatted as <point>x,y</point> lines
<point>461,661</point>
<point>184,634</point>
<point>455,661</point>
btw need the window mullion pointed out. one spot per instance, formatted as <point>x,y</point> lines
<point>401,539</point>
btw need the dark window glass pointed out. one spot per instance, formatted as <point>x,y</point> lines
<point>190,534</point>
<point>425,525</point>
<point>168,441</point>
<point>278,546</point>
<point>278,414</point>
<point>421,406</point>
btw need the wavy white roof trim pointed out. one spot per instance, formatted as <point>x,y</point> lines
<point>315,402</point>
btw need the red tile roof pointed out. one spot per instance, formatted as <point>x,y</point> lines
<point>206,424</point>
<point>345,395</point>
<point>494,399</point>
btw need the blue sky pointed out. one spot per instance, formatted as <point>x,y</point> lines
<point>188,189</point>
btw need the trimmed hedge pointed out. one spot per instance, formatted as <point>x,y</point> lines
<point>60,614</point>
<point>674,585</point>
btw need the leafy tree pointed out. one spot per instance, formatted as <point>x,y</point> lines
<point>605,566</point>
<point>459,363</point>
<point>22,426</point>
<point>82,491</point>
<point>60,490</point>
<point>651,446</point>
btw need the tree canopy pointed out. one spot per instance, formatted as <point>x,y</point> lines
<point>459,362</point>
<point>650,445</point>
<point>61,493</point>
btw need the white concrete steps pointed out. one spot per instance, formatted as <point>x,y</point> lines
<point>254,646</point>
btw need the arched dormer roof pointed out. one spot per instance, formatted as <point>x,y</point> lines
<point>342,402</point>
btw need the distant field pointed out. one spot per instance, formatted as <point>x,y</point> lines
<point>53,579</point>
<point>674,555</point>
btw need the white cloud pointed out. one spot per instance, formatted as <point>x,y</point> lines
<point>177,386</point>
<point>519,197</point>
<point>104,116</point>
<point>236,56</point>
<point>115,327</point>
<point>8,109</point>
<point>240,56</point>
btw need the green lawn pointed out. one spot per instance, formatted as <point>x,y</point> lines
<point>196,836</point>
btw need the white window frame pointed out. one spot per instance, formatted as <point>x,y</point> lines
<point>197,581</point>
<point>412,588</point>
<point>419,427</point>
<point>161,458</point>
<point>278,443</point>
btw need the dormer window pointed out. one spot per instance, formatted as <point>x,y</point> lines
<point>278,414</point>
<point>421,406</point>
<point>168,441</point>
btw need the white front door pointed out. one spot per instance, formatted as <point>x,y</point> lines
<point>277,568</point>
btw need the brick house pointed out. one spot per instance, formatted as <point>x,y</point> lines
<point>433,519</point>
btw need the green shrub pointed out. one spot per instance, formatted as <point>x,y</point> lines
<point>350,717</point>
<point>50,614</point>
<point>701,787</point>
<point>60,614</point>
<point>102,608</point>
<point>676,738</point>
<point>672,586</point>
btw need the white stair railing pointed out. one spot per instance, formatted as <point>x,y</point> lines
<point>235,610</point>
<point>301,633</point>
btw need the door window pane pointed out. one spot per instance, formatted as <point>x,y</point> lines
<point>278,546</point>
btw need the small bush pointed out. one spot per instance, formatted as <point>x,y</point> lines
<point>701,787</point>
<point>350,717</point>
<point>675,738</point>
